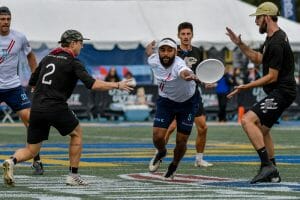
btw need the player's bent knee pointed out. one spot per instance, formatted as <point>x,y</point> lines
<point>77,132</point>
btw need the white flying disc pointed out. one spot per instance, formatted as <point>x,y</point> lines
<point>210,70</point>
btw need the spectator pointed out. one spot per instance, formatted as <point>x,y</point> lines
<point>222,89</point>
<point>112,75</point>
<point>129,75</point>
<point>252,73</point>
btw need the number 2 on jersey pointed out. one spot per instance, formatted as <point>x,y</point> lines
<point>48,82</point>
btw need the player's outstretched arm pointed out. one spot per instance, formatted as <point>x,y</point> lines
<point>188,75</point>
<point>254,56</point>
<point>104,85</point>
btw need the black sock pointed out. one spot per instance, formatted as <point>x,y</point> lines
<point>37,157</point>
<point>263,155</point>
<point>14,160</point>
<point>73,170</point>
<point>273,161</point>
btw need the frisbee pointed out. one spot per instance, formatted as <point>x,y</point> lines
<point>210,70</point>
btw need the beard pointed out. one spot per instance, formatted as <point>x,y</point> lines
<point>263,27</point>
<point>166,61</point>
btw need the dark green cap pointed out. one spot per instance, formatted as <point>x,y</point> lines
<point>71,35</point>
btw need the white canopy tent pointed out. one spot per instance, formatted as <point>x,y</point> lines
<point>128,23</point>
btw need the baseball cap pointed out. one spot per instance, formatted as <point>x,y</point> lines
<point>167,42</point>
<point>4,10</point>
<point>266,8</point>
<point>250,65</point>
<point>71,35</point>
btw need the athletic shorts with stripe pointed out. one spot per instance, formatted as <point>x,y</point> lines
<point>15,98</point>
<point>167,110</point>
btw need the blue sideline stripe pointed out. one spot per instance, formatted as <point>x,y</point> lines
<point>281,159</point>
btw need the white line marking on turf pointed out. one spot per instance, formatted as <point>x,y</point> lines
<point>41,187</point>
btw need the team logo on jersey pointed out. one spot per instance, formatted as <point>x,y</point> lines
<point>5,52</point>
<point>268,104</point>
<point>190,117</point>
<point>190,61</point>
<point>24,97</point>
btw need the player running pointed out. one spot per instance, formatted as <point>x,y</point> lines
<point>13,45</point>
<point>178,97</point>
<point>54,81</point>
<point>192,57</point>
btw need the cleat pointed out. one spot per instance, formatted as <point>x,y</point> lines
<point>38,168</point>
<point>169,175</point>
<point>275,177</point>
<point>203,163</point>
<point>156,160</point>
<point>264,173</point>
<point>8,174</point>
<point>75,180</point>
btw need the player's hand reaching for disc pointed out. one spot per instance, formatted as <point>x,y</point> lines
<point>192,77</point>
<point>236,90</point>
<point>236,39</point>
<point>126,85</point>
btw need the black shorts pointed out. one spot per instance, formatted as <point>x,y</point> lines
<point>200,111</point>
<point>271,107</point>
<point>64,121</point>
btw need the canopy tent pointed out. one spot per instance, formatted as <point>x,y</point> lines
<point>128,23</point>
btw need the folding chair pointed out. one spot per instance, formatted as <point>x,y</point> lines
<point>7,111</point>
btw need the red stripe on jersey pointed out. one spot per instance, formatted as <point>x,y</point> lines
<point>11,45</point>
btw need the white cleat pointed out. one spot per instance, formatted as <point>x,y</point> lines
<point>202,163</point>
<point>8,172</point>
<point>156,160</point>
<point>75,180</point>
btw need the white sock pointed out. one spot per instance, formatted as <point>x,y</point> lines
<point>199,156</point>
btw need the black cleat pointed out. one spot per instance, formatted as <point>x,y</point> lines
<point>264,174</point>
<point>171,172</point>
<point>38,168</point>
<point>275,177</point>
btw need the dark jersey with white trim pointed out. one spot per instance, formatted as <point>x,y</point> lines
<point>277,54</point>
<point>192,57</point>
<point>55,79</point>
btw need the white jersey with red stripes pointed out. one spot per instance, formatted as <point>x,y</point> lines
<point>12,46</point>
<point>170,84</point>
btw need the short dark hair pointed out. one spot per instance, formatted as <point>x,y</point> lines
<point>185,25</point>
<point>274,18</point>
<point>4,10</point>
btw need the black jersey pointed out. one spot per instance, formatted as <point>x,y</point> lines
<point>277,54</point>
<point>192,58</point>
<point>55,79</point>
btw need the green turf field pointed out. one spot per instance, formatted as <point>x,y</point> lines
<point>115,162</point>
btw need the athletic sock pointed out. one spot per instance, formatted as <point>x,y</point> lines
<point>14,160</point>
<point>73,170</point>
<point>199,156</point>
<point>37,157</point>
<point>263,155</point>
